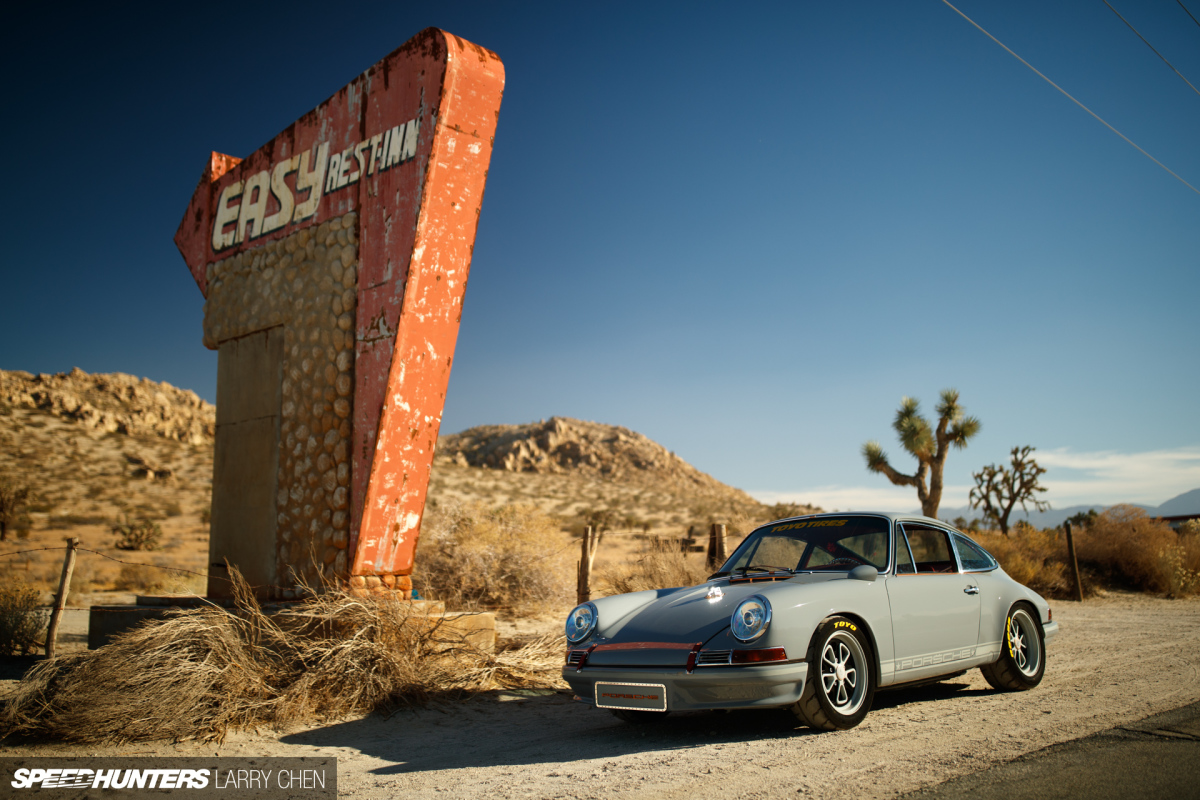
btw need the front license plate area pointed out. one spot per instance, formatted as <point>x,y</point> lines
<point>635,696</point>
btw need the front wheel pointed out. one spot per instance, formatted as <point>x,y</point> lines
<point>841,680</point>
<point>1022,659</point>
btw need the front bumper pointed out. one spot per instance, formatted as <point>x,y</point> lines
<point>1049,630</point>
<point>741,686</point>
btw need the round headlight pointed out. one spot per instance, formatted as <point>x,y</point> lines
<point>581,622</point>
<point>750,618</point>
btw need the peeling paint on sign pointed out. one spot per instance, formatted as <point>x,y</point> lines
<point>386,146</point>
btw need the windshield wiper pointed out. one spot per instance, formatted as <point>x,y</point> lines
<point>762,568</point>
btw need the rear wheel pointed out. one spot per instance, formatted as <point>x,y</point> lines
<point>841,681</point>
<point>1022,661</point>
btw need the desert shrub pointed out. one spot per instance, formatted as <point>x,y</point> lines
<point>513,558</point>
<point>784,510</point>
<point>1121,547</point>
<point>15,497</point>
<point>173,509</point>
<point>1180,577</point>
<point>662,567</point>
<point>140,534</point>
<point>1032,557</point>
<point>138,578</point>
<point>202,672</point>
<point>206,515</point>
<point>66,521</point>
<point>1130,549</point>
<point>22,623</point>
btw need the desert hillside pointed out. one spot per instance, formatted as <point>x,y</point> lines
<point>98,449</point>
<point>569,466</point>
<point>101,448</point>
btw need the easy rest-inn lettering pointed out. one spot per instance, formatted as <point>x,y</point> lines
<point>242,208</point>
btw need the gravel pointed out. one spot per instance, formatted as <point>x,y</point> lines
<point>1117,659</point>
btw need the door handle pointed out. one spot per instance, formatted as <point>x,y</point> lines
<point>972,590</point>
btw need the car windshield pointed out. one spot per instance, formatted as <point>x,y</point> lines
<point>828,543</point>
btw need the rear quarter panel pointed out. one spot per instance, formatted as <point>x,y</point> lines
<point>999,593</point>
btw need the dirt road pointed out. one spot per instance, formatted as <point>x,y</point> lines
<point>1116,660</point>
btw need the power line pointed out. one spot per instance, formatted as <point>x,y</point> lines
<point>1181,5</point>
<point>1160,55</point>
<point>1069,97</point>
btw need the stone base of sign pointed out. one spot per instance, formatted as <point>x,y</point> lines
<point>282,318</point>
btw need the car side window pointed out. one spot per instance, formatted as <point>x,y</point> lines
<point>930,549</point>
<point>904,562</point>
<point>973,557</point>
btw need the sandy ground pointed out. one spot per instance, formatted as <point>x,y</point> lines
<point>1117,659</point>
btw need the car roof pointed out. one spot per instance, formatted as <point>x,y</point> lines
<point>891,515</point>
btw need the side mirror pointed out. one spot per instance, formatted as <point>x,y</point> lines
<point>864,573</point>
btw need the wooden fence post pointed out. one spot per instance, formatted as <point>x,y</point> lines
<point>716,546</point>
<point>60,601</point>
<point>587,557</point>
<point>1074,562</point>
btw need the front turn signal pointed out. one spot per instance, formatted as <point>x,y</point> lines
<point>758,656</point>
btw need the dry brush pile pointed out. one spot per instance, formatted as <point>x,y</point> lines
<point>662,566</point>
<point>1122,548</point>
<point>513,558</point>
<point>203,672</point>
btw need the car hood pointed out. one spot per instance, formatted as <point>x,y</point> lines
<point>663,628</point>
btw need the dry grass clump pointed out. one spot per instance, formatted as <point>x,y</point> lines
<point>1123,547</point>
<point>22,623</point>
<point>1037,559</point>
<point>1126,546</point>
<point>514,558</point>
<point>200,673</point>
<point>661,568</point>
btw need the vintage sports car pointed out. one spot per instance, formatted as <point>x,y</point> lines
<point>814,614</point>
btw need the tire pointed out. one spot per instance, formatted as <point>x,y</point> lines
<point>639,717</point>
<point>1022,661</point>
<point>841,677</point>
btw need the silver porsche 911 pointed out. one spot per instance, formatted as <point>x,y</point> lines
<point>814,614</point>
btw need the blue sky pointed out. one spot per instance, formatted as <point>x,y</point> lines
<point>744,233</point>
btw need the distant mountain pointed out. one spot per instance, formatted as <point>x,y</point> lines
<point>1186,503</point>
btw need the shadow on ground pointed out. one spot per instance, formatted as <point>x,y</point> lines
<point>931,693</point>
<point>543,730</point>
<point>555,729</point>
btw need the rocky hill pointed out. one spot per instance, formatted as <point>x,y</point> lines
<point>96,450</point>
<point>113,403</point>
<point>100,448</point>
<point>572,468</point>
<point>591,450</point>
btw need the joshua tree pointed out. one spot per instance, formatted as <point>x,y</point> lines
<point>928,445</point>
<point>998,489</point>
<point>13,498</point>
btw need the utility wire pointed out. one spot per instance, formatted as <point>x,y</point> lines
<point>1160,55</point>
<point>1181,5</point>
<point>1069,97</point>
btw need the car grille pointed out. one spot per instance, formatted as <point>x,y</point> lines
<point>575,657</point>
<point>711,658</point>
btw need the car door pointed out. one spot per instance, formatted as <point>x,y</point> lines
<point>935,606</point>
